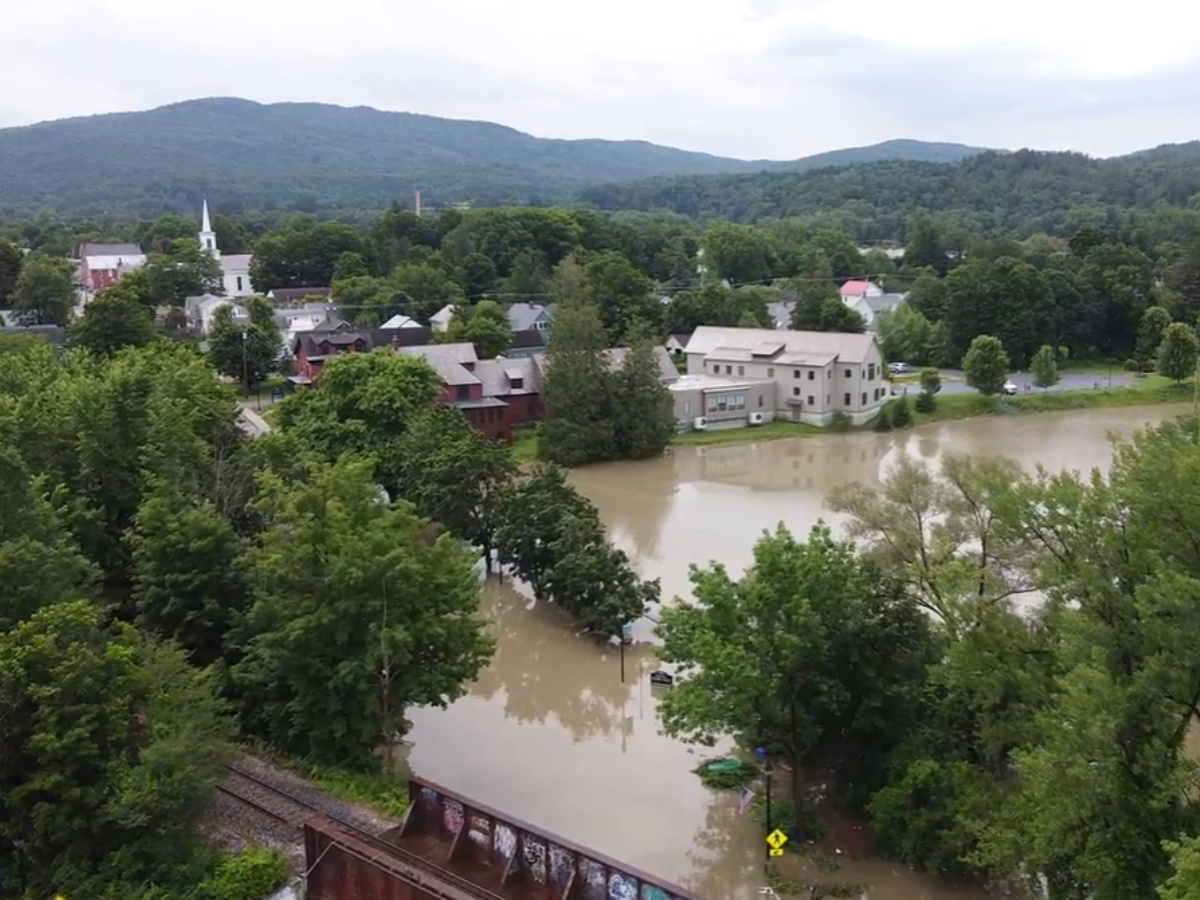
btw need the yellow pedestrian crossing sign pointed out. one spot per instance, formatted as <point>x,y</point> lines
<point>776,839</point>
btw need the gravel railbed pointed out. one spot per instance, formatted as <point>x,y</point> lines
<point>234,826</point>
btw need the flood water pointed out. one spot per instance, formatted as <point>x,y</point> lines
<point>552,736</point>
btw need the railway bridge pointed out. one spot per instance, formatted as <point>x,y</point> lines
<point>448,848</point>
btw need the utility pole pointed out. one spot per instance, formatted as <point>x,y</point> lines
<point>245,365</point>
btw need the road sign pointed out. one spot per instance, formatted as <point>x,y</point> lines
<point>627,632</point>
<point>659,678</point>
<point>775,840</point>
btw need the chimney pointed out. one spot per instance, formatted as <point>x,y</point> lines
<point>417,204</point>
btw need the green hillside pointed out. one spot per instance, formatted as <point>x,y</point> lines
<point>989,193</point>
<point>309,156</point>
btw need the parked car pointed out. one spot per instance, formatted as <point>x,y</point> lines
<point>898,368</point>
<point>1009,388</point>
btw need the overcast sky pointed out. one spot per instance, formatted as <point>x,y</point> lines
<point>750,78</point>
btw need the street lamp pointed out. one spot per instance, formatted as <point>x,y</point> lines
<point>760,753</point>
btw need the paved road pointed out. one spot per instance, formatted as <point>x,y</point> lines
<point>953,382</point>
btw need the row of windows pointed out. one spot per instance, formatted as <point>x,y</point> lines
<point>741,370</point>
<point>488,415</point>
<point>845,397</point>
<point>727,402</point>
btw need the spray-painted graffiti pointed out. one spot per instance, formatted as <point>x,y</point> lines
<point>652,892</point>
<point>534,855</point>
<point>480,831</point>
<point>562,863</point>
<point>622,887</point>
<point>452,816</point>
<point>593,879</point>
<point>504,842</point>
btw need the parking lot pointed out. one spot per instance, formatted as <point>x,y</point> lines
<point>955,382</point>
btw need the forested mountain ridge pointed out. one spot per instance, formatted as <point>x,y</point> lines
<point>1015,194</point>
<point>308,156</point>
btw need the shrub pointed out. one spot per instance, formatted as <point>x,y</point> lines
<point>926,403</point>
<point>250,875</point>
<point>883,421</point>
<point>901,413</point>
<point>839,421</point>
<point>1132,365</point>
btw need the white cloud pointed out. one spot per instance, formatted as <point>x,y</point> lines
<point>753,78</point>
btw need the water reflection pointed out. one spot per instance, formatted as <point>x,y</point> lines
<point>551,735</point>
<point>542,677</point>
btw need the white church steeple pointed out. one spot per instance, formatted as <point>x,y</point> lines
<point>208,237</point>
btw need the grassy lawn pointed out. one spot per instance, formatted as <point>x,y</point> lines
<point>268,385</point>
<point>525,444</point>
<point>775,430</point>
<point>1145,391</point>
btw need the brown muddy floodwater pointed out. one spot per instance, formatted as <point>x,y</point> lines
<point>550,735</point>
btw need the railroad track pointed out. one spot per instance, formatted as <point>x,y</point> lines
<point>274,802</point>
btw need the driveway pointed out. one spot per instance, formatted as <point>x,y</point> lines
<point>954,382</point>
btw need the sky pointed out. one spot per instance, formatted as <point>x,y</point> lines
<point>775,79</point>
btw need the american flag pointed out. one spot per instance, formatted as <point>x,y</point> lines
<point>746,795</point>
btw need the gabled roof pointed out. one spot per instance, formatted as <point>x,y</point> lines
<point>524,316</point>
<point>450,361</point>
<point>883,301</point>
<point>817,344</point>
<point>126,250</point>
<point>401,321</point>
<point>401,337</point>
<point>498,376</point>
<point>530,337</point>
<point>853,288</point>
<point>310,342</point>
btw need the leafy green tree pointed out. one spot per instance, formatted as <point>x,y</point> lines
<point>10,269</point>
<point>883,421</point>
<point>475,274</point>
<point>528,277</point>
<point>931,384</point>
<point>845,261</point>
<point>488,328</point>
<point>901,413</point>
<point>423,289</point>
<point>1154,323</point>
<point>44,293</point>
<point>1044,367</point>
<point>594,581</point>
<point>1178,352</point>
<point>819,307</point>
<point>643,410</point>
<point>187,271</point>
<point>737,253</point>
<point>578,425</point>
<point>1184,883</point>
<point>248,351</point>
<point>113,320</point>
<point>189,580</point>
<point>349,265</point>
<point>40,562</point>
<point>621,293</point>
<point>359,613</point>
<point>362,404</point>
<point>906,335</point>
<point>111,746</point>
<point>302,257</point>
<point>986,365</point>
<point>927,295</point>
<point>531,517</point>
<point>780,658</point>
<point>453,475</point>
<point>1007,298</point>
<point>925,246</point>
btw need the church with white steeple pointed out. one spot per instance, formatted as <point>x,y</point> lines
<point>235,269</point>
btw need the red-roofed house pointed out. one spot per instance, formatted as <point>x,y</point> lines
<point>858,290</point>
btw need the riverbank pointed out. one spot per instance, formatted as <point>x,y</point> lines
<point>1148,390</point>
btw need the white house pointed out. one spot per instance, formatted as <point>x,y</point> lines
<point>440,320</point>
<point>235,269</point>
<point>869,300</point>
<point>199,311</point>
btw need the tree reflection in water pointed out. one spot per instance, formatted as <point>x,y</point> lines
<point>545,672</point>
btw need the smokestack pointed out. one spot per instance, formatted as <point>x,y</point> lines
<point>417,204</point>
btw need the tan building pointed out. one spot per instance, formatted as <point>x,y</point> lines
<point>738,376</point>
